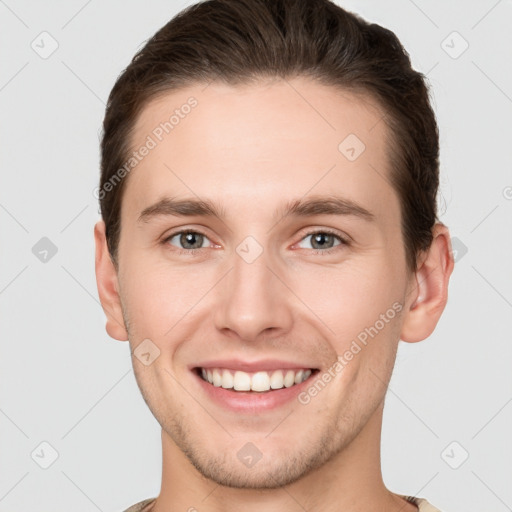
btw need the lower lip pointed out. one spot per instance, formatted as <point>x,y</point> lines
<point>252,401</point>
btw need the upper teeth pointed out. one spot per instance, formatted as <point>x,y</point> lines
<point>259,381</point>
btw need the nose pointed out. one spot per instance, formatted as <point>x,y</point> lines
<point>252,301</point>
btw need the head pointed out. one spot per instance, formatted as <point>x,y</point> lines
<point>268,194</point>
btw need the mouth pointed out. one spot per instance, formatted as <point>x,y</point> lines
<point>262,381</point>
<point>252,387</point>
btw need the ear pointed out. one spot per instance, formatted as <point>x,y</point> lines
<point>429,291</point>
<point>108,286</point>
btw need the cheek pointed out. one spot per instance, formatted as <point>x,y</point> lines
<point>351,297</point>
<point>157,296</point>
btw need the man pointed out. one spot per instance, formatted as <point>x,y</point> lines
<point>269,234</point>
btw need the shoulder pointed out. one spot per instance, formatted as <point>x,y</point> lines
<point>143,506</point>
<point>422,504</point>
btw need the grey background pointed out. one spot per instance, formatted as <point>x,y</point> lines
<point>63,381</point>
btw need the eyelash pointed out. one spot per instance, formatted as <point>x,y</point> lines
<point>193,252</point>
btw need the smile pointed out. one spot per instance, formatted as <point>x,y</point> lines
<point>260,381</point>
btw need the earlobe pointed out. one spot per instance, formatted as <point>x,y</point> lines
<point>108,289</point>
<point>430,292</point>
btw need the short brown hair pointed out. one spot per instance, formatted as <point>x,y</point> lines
<point>242,41</point>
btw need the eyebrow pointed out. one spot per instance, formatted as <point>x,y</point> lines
<point>326,205</point>
<point>317,205</point>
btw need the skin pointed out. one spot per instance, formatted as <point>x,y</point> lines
<point>251,149</point>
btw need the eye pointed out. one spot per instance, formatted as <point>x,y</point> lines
<point>188,240</point>
<point>323,241</point>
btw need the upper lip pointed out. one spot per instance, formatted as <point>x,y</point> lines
<point>251,366</point>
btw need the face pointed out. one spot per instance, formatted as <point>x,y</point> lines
<point>260,246</point>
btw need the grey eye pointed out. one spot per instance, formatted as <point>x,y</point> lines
<point>189,240</point>
<point>322,240</point>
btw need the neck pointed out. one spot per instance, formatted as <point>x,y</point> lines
<point>350,481</point>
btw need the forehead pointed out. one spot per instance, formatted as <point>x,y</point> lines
<point>252,144</point>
